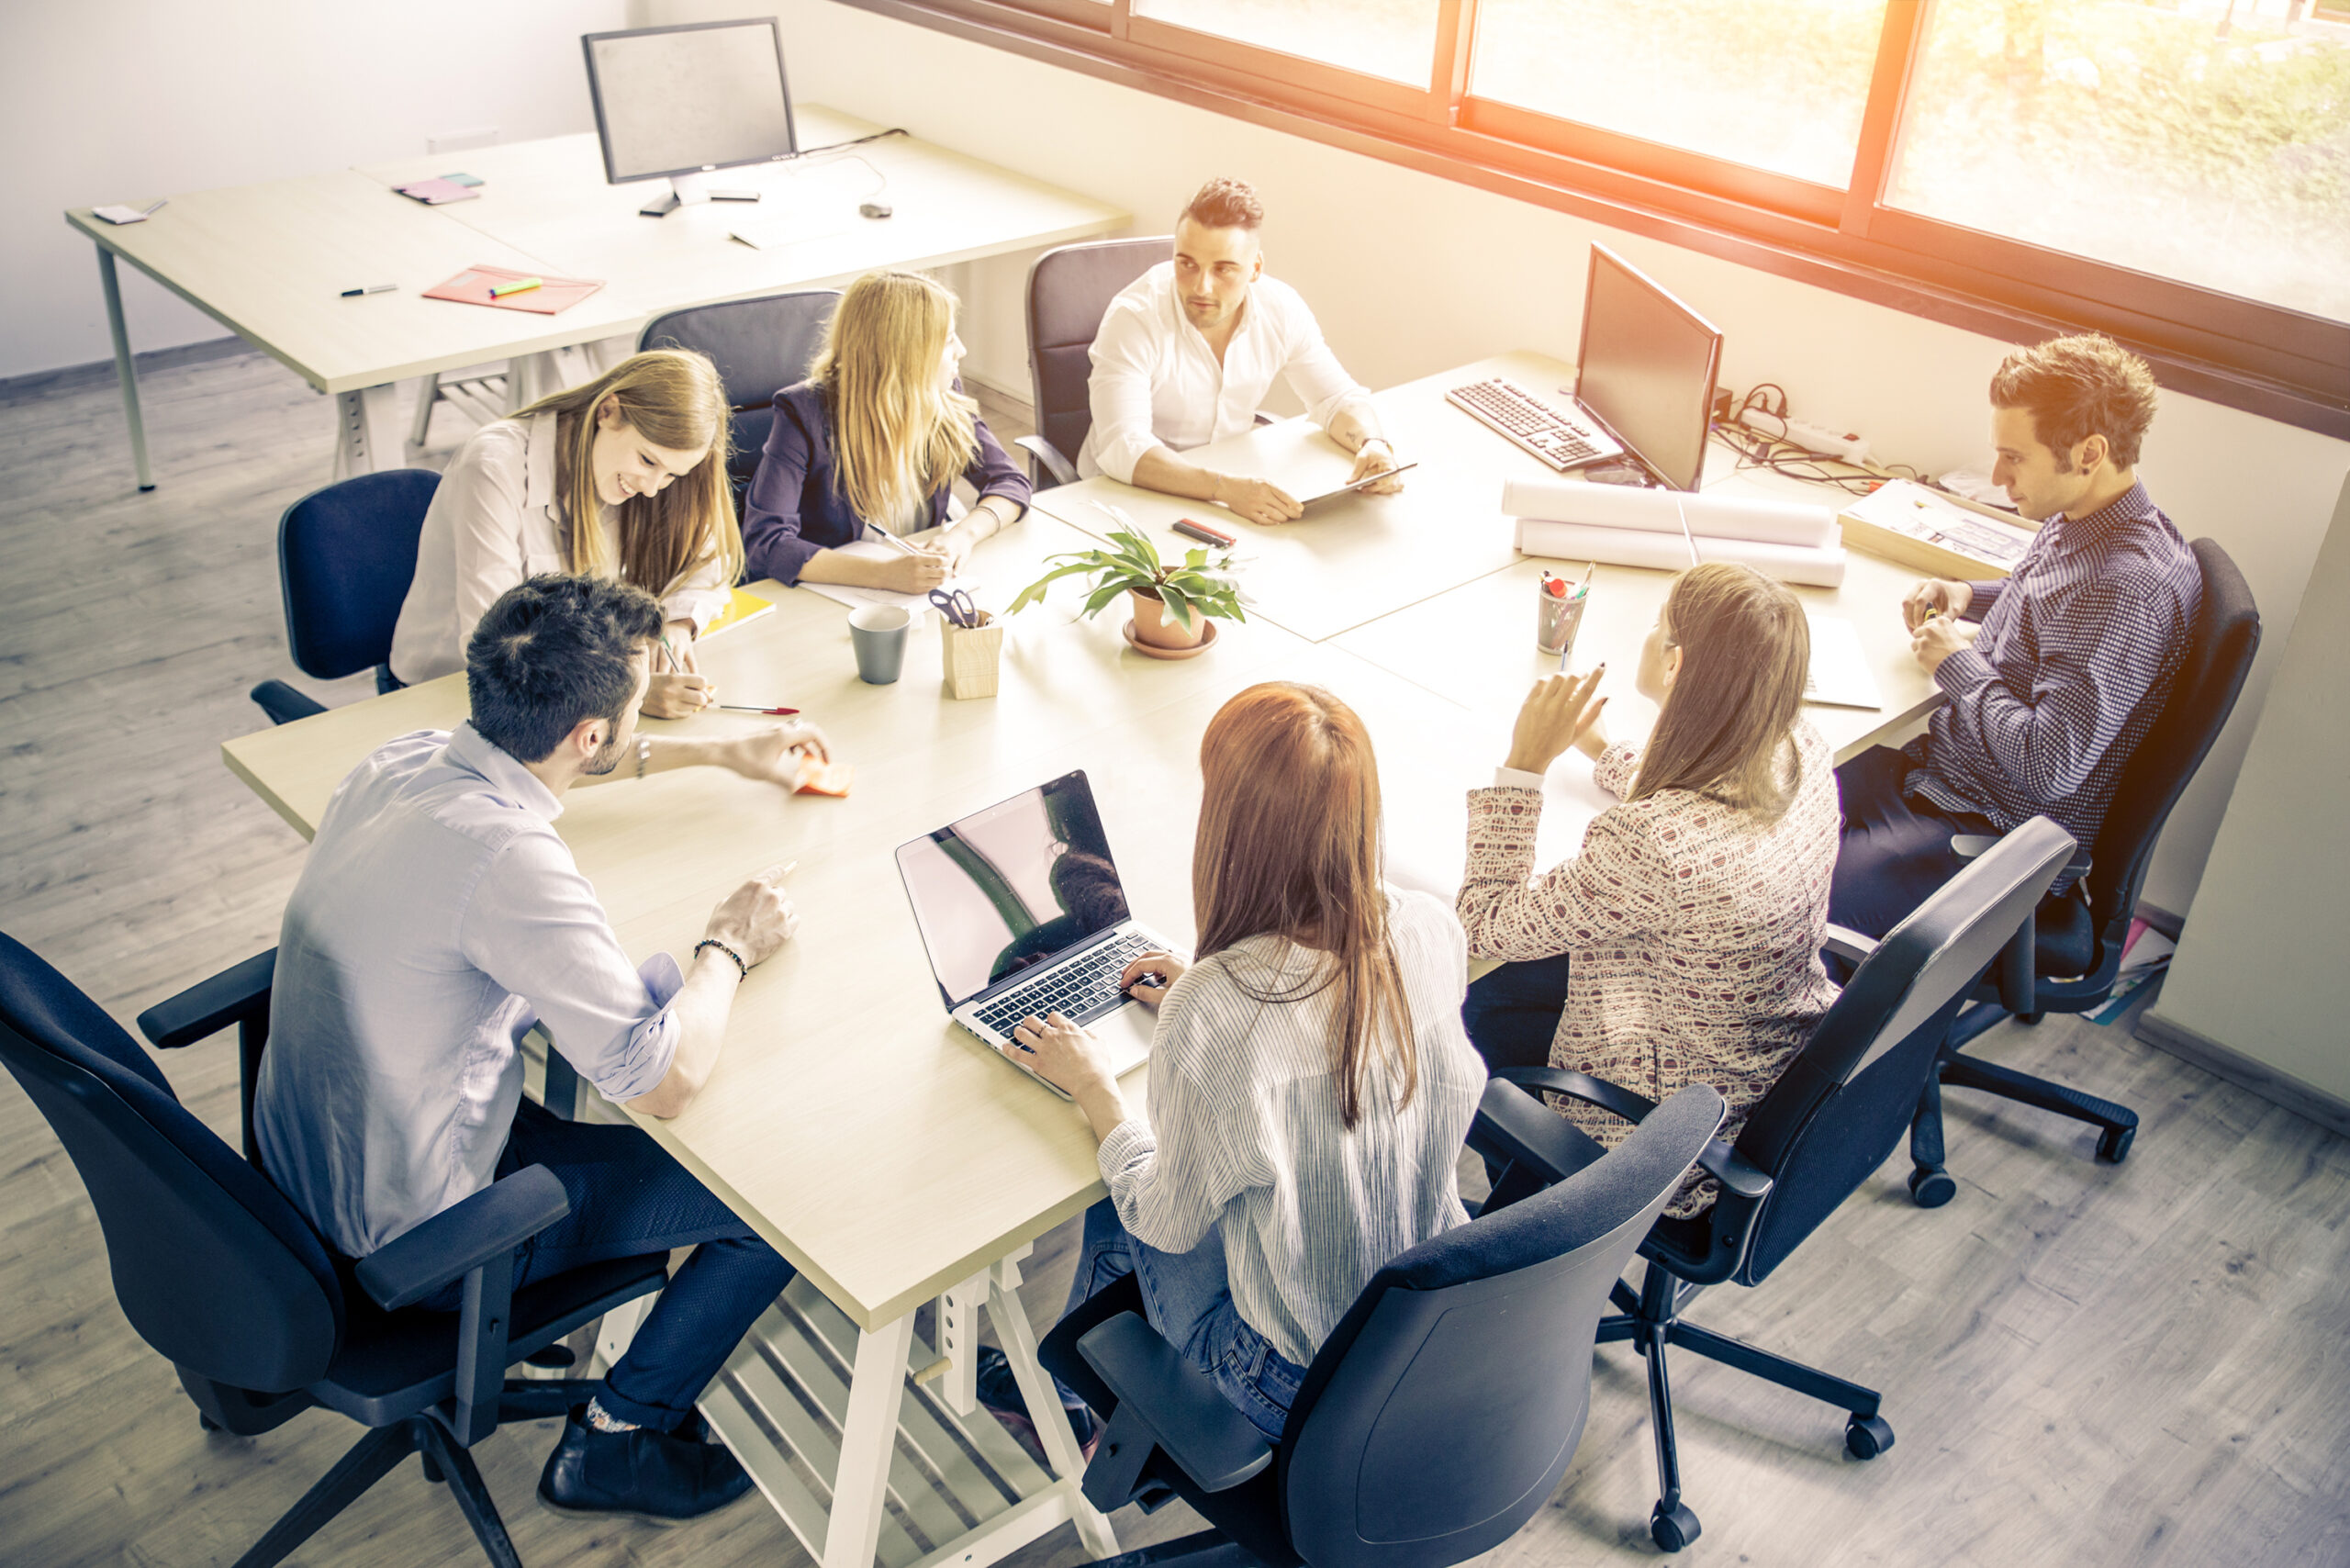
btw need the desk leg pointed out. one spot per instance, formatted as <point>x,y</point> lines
<point>868,1438</point>
<point>366,431</point>
<point>1044,1402</point>
<point>123,369</point>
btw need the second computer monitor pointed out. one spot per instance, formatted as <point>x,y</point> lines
<point>679,100</point>
<point>1647,368</point>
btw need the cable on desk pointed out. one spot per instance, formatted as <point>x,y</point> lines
<point>854,140</point>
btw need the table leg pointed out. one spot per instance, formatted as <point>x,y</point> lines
<point>876,1385</point>
<point>958,1342</point>
<point>125,370</point>
<point>1044,1402</point>
<point>366,433</point>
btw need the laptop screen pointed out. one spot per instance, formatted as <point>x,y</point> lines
<point>1011,887</point>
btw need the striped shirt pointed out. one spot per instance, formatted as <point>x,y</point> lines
<point>1244,1134</point>
<point>2076,657</point>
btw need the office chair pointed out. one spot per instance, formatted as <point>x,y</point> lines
<point>1440,1415</point>
<point>1832,1117</point>
<point>1069,288</point>
<point>2078,936</point>
<point>345,556</point>
<point>226,1280</point>
<point>760,347</point>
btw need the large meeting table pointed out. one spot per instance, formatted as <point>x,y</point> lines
<point>880,1149</point>
<point>271,261</point>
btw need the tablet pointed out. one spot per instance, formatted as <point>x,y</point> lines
<point>1358,484</point>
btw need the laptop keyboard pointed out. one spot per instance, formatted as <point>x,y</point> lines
<point>1083,989</point>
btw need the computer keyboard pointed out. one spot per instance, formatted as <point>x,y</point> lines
<point>1560,437</point>
<point>1083,989</point>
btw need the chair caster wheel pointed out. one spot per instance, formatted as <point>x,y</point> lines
<point>207,1424</point>
<point>1672,1529</point>
<point>1930,1188</point>
<point>2030,1017</point>
<point>1865,1437</point>
<point>2113,1144</point>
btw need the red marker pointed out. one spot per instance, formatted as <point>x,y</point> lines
<point>740,708</point>
<point>1555,587</point>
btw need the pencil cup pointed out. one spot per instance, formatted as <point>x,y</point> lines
<point>1555,621</point>
<point>878,633</point>
<point>971,655</point>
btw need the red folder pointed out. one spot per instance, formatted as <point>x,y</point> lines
<point>553,296</point>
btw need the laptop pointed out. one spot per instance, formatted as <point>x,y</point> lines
<point>1020,912</point>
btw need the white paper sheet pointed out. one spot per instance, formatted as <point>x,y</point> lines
<point>918,604</point>
<point>1840,674</point>
<point>1711,516</point>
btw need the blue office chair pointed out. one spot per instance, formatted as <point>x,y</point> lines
<point>345,557</point>
<point>1840,1108</point>
<point>2077,937</point>
<point>1437,1417</point>
<point>225,1278</point>
<point>760,347</point>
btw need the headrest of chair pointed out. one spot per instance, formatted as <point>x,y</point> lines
<point>51,1011</point>
<point>1069,288</point>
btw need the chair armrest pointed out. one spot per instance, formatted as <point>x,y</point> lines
<point>206,1008</point>
<point>1737,1174</point>
<point>283,704</point>
<point>1968,846</point>
<point>1166,1403</point>
<point>1574,1085</point>
<point>1847,943</point>
<point>1513,1128</point>
<point>1063,471</point>
<point>461,1238</point>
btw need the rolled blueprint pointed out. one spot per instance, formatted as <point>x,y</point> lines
<point>1711,515</point>
<point>1639,547</point>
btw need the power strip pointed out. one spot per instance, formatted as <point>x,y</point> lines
<point>1849,445</point>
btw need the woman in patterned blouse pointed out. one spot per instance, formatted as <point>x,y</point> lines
<point>1691,922</point>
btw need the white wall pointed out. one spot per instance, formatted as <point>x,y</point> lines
<point>126,100</point>
<point>2260,970</point>
<point>1410,273</point>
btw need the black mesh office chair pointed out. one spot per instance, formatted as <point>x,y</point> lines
<point>1069,288</point>
<point>346,555</point>
<point>1440,1415</point>
<point>2077,937</point>
<point>760,347</point>
<point>226,1280</point>
<point>1838,1110</point>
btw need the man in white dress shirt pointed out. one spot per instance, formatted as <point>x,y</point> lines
<point>1187,353</point>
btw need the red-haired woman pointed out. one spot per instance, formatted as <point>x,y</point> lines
<point>1310,1082</point>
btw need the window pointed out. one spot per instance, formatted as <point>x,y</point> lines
<point>2174,172</point>
<point>1777,86</point>
<point>2173,139</point>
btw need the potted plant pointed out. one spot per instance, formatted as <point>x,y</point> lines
<point>1173,605</point>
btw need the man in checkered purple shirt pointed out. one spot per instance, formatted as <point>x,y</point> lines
<point>2051,677</point>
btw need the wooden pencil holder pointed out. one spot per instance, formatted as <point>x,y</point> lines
<point>972,656</point>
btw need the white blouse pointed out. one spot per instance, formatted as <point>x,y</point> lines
<point>495,520</point>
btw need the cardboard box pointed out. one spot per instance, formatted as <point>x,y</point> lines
<point>1940,534</point>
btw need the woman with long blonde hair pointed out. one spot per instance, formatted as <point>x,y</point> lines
<point>641,451</point>
<point>1682,945</point>
<point>1310,1083</point>
<point>878,434</point>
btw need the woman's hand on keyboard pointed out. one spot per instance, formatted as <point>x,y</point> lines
<point>1148,977</point>
<point>1069,1056</point>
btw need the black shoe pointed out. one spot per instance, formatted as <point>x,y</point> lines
<point>642,1475</point>
<point>999,1392</point>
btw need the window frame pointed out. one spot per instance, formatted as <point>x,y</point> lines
<point>2266,359</point>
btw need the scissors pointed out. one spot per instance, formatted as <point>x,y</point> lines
<point>956,607</point>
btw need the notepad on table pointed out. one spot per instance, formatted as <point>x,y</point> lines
<point>745,606</point>
<point>440,192</point>
<point>1839,675</point>
<point>472,287</point>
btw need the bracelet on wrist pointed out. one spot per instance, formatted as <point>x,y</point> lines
<point>742,971</point>
<point>643,754</point>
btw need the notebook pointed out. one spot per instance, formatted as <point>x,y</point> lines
<point>553,294</point>
<point>437,192</point>
<point>1840,674</point>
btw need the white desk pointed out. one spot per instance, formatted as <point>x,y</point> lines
<point>269,262</point>
<point>880,1149</point>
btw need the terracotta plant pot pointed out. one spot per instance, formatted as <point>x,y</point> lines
<point>1155,626</point>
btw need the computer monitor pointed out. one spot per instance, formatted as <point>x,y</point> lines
<point>1647,368</point>
<point>679,102</point>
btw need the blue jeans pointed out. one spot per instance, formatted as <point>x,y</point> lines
<point>1188,1298</point>
<point>1895,853</point>
<point>1512,1011</point>
<point>629,1197</point>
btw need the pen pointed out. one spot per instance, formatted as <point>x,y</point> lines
<point>1584,586</point>
<point>745,708</point>
<point>520,285</point>
<point>371,289</point>
<point>892,539</point>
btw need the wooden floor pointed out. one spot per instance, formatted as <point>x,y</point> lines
<point>2085,1364</point>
